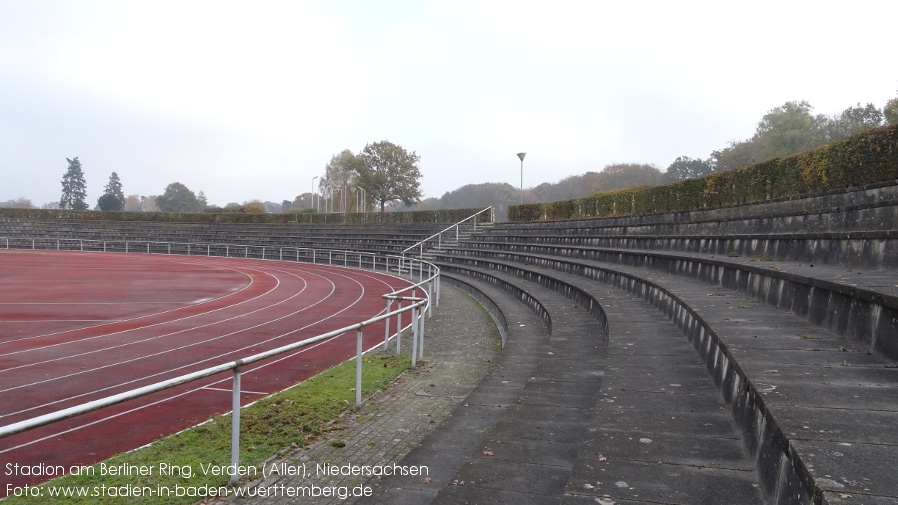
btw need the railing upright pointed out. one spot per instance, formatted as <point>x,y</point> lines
<point>235,426</point>
<point>414,336</point>
<point>358,368</point>
<point>387,324</point>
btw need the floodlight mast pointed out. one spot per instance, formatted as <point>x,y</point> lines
<point>521,156</point>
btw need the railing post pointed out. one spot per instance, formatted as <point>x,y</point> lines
<point>430,296</point>
<point>398,327</point>
<point>387,324</point>
<point>414,335</point>
<point>421,335</point>
<point>358,368</point>
<point>235,425</point>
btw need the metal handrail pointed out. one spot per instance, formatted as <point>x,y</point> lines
<point>439,235</point>
<point>417,302</point>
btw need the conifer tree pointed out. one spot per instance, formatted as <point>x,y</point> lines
<point>113,197</point>
<point>74,190</point>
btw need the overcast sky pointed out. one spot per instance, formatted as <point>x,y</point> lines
<point>249,100</point>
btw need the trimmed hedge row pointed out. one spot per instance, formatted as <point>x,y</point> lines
<point>413,217</point>
<point>866,158</point>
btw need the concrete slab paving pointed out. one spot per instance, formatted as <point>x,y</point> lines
<point>621,480</point>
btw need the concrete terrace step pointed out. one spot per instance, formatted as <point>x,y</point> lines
<point>834,431</point>
<point>873,207</point>
<point>564,434</point>
<point>861,304</point>
<point>867,249</point>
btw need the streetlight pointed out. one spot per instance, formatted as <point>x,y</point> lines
<point>521,155</point>
<point>328,195</point>
<point>313,192</point>
<point>360,194</point>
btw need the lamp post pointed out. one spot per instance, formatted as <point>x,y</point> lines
<point>313,192</point>
<point>521,156</point>
<point>360,193</point>
<point>328,196</point>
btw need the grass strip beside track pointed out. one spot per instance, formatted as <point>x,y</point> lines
<point>287,419</point>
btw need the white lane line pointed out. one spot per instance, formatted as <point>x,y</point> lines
<point>229,391</point>
<point>138,318</point>
<point>169,321</point>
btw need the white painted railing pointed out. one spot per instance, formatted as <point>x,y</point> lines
<point>438,237</point>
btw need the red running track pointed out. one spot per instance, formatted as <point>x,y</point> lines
<point>76,327</point>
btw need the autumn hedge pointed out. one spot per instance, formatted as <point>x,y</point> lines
<point>866,158</point>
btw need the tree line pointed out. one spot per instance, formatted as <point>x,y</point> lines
<point>788,129</point>
<point>387,176</point>
<point>382,173</point>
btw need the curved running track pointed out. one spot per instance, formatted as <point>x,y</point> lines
<point>76,327</point>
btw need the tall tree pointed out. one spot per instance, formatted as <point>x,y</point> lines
<point>685,167</point>
<point>853,120</point>
<point>20,203</point>
<point>74,190</point>
<point>148,203</point>
<point>788,129</point>
<point>303,202</point>
<point>113,197</point>
<point>178,198</point>
<point>132,203</point>
<point>735,155</point>
<point>341,176</point>
<point>627,175</point>
<point>890,111</point>
<point>390,174</point>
